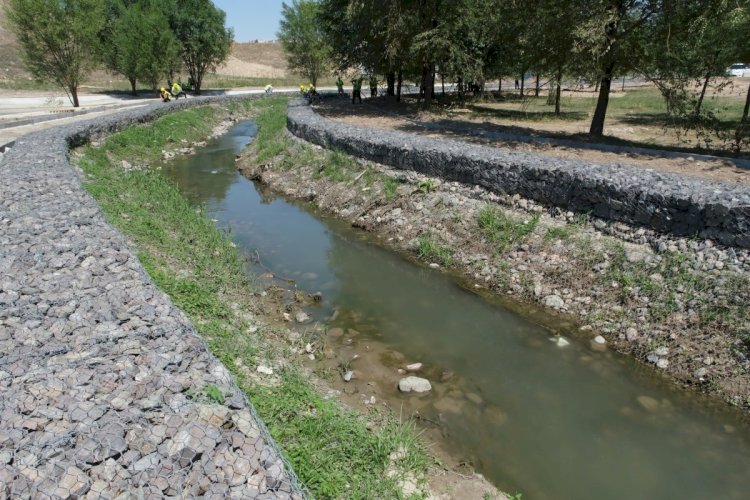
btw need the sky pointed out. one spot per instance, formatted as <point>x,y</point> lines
<point>252,19</point>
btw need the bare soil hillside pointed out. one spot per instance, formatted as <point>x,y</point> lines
<point>256,60</point>
<point>11,67</point>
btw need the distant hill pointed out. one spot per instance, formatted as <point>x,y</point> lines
<point>11,67</point>
<point>256,60</point>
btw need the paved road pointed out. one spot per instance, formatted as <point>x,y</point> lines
<point>22,115</point>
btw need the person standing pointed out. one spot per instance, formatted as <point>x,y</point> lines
<point>340,85</point>
<point>373,86</point>
<point>357,89</point>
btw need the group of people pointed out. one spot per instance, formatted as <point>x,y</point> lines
<point>357,87</point>
<point>309,92</point>
<point>174,93</point>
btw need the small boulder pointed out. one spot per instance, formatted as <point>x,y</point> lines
<point>414,384</point>
<point>554,301</point>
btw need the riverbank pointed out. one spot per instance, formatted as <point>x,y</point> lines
<point>675,304</point>
<point>336,452</point>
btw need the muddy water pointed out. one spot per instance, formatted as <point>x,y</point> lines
<point>551,422</point>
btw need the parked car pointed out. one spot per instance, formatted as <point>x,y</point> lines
<point>739,69</point>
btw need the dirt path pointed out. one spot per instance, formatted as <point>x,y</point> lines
<point>462,125</point>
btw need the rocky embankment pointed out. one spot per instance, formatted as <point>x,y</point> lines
<point>106,390</point>
<point>679,305</point>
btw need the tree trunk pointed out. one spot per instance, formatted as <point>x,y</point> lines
<point>461,89</point>
<point>523,78</point>
<point>133,91</point>
<point>596,87</point>
<point>74,94</point>
<point>390,78</point>
<point>499,86</point>
<point>536,89</point>
<point>399,81</point>
<point>558,91</point>
<point>703,93</point>
<point>623,83</point>
<point>747,106</point>
<point>442,84</point>
<point>597,122</point>
<point>429,85</point>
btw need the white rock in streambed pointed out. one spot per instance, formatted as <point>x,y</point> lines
<point>348,376</point>
<point>600,340</point>
<point>414,367</point>
<point>414,384</point>
<point>561,341</point>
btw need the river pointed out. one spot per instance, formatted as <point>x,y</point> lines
<point>550,422</point>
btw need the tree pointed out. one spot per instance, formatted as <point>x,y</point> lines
<point>303,39</point>
<point>609,37</point>
<point>59,39</point>
<point>139,43</point>
<point>204,40</point>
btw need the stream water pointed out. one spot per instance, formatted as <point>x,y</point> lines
<point>551,422</point>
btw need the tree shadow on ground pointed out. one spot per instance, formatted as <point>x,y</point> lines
<point>413,120</point>
<point>525,115</point>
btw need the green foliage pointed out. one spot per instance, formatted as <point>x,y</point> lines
<point>503,231</point>
<point>139,43</point>
<point>426,186</point>
<point>338,166</point>
<point>59,40</point>
<point>390,188</point>
<point>333,452</point>
<point>429,249</point>
<point>203,39</point>
<point>271,140</point>
<point>301,35</point>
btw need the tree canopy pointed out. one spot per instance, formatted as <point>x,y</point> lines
<point>301,34</point>
<point>146,40</point>
<point>669,41</point>
<point>59,39</point>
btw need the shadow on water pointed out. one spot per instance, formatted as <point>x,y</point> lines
<point>551,422</point>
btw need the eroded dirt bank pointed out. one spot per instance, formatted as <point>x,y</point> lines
<point>678,305</point>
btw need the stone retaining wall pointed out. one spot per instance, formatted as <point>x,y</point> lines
<point>669,203</point>
<point>102,379</point>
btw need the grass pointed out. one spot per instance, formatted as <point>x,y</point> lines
<point>502,230</point>
<point>339,167</point>
<point>334,451</point>
<point>429,249</point>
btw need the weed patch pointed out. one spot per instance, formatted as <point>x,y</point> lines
<point>503,231</point>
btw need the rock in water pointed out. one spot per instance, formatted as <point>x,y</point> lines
<point>348,376</point>
<point>600,340</point>
<point>414,367</point>
<point>562,342</point>
<point>414,384</point>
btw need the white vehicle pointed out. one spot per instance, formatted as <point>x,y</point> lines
<point>739,70</point>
